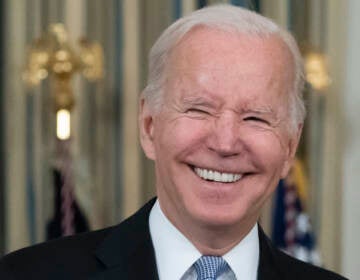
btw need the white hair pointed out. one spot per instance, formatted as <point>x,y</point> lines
<point>227,18</point>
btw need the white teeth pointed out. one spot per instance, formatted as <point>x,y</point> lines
<point>212,175</point>
<point>237,177</point>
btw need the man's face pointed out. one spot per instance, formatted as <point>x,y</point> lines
<point>220,142</point>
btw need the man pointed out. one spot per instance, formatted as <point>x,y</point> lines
<point>221,117</point>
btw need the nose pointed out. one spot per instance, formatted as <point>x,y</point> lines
<point>224,138</point>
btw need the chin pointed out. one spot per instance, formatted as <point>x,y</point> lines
<point>222,216</point>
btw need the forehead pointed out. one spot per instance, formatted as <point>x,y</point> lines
<point>214,47</point>
<point>228,62</point>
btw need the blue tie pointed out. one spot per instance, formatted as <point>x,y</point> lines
<point>210,267</point>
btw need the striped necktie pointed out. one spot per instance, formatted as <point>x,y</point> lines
<point>210,267</point>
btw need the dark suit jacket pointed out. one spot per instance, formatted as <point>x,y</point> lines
<point>126,252</point>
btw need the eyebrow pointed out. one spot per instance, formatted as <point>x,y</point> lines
<point>209,102</point>
<point>197,100</point>
<point>263,111</point>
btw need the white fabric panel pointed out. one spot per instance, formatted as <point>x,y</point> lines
<point>188,6</point>
<point>351,165</point>
<point>14,100</point>
<point>131,90</point>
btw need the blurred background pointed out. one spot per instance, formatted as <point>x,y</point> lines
<point>71,73</point>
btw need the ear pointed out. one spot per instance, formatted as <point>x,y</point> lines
<point>146,127</point>
<point>292,145</point>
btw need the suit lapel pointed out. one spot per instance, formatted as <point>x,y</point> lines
<point>128,252</point>
<point>267,269</point>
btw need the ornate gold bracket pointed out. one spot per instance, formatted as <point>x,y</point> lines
<point>52,56</point>
<point>316,70</point>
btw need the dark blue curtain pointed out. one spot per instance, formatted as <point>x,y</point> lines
<point>250,4</point>
<point>202,3</point>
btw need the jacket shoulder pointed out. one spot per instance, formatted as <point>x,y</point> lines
<point>49,260</point>
<point>84,255</point>
<point>283,266</point>
<point>296,269</point>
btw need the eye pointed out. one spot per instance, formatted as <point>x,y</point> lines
<point>256,119</point>
<point>197,111</point>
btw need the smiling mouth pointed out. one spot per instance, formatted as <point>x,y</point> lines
<point>216,176</point>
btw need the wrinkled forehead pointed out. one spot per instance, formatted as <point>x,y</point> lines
<point>212,46</point>
<point>206,53</point>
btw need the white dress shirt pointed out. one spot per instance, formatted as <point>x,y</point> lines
<point>175,254</point>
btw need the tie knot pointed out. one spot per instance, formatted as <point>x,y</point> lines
<point>210,267</point>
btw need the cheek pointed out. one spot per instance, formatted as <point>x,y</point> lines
<point>267,154</point>
<point>268,148</point>
<point>180,136</point>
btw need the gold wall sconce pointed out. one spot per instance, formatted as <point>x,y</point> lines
<point>53,56</point>
<point>316,71</point>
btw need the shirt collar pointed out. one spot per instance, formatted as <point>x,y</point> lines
<point>243,259</point>
<point>168,241</point>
